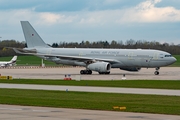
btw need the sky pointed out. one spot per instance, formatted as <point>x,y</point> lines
<point>93,20</point>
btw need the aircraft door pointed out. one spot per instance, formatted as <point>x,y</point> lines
<point>153,60</point>
<point>49,51</point>
<point>155,57</point>
<point>131,59</point>
<point>130,56</point>
<point>145,61</point>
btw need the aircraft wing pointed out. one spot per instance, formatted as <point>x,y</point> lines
<point>82,59</point>
<point>67,57</point>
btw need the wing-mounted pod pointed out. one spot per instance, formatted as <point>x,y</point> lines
<point>101,67</point>
<point>132,69</point>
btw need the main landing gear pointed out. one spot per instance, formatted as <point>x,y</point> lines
<point>86,72</point>
<point>157,72</point>
<point>89,72</point>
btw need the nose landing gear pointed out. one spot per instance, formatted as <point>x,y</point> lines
<point>157,72</point>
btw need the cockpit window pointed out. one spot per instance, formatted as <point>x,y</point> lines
<point>168,55</point>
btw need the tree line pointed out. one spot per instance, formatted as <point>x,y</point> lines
<point>128,44</point>
<point>4,52</point>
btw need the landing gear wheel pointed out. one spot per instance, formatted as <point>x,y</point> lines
<point>157,68</point>
<point>107,72</point>
<point>89,72</point>
<point>82,72</point>
<point>86,72</point>
<point>156,72</point>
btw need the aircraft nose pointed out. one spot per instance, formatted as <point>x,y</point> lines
<point>173,59</point>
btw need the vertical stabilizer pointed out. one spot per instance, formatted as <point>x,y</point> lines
<point>31,36</point>
<point>13,60</point>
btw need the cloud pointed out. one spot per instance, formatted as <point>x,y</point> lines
<point>148,4</point>
<point>111,2</point>
<point>53,18</point>
<point>148,12</point>
<point>48,18</point>
<point>69,20</point>
<point>144,12</point>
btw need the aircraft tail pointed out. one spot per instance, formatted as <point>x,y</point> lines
<point>31,36</point>
<point>13,60</point>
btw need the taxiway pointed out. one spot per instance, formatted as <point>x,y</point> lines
<point>14,112</point>
<point>93,89</point>
<point>166,73</point>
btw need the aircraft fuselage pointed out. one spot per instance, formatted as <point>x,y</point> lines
<point>124,57</point>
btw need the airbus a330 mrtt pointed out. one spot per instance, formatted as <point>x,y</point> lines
<point>99,60</point>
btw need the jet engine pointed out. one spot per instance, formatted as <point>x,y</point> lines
<point>101,67</point>
<point>132,69</point>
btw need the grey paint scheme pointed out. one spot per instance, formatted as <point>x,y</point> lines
<point>118,58</point>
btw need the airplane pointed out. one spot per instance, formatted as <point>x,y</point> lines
<point>12,62</point>
<point>98,60</point>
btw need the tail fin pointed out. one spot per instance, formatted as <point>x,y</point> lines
<point>13,60</point>
<point>31,36</point>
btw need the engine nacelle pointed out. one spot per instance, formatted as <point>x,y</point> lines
<point>132,69</point>
<point>100,67</point>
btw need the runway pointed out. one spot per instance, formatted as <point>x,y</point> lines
<point>13,112</point>
<point>166,73</point>
<point>94,89</point>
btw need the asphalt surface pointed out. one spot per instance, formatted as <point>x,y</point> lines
<point>166,73</point>
<point>11,112</point>
<point>94,89</point>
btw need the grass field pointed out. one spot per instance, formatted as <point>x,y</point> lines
<point>177,63</point>
<point>33,60</point>
<point>94,101</point>
<point>159,84</point>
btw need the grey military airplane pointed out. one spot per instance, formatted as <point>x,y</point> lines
<point>99,60</point>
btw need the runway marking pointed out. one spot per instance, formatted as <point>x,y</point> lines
<point>10,109</point>
<point>25,109</point>
<point>41,111</point>
<point>15,109</point>
<point>3,109</point>
<point>18,109</point>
